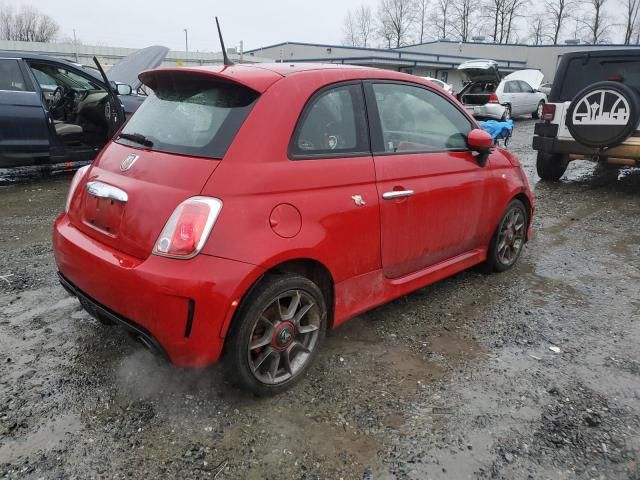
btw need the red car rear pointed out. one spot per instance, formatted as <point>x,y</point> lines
<point>244,210</point>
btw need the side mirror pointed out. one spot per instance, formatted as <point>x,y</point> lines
<point>124,89</point>
<point>482,142</point>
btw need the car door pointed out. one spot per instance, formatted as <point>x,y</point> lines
<point>513,96</point>
<point>24,136</point>
<point>114,109</point>
<point>530,99</point>
<point>430,186</point>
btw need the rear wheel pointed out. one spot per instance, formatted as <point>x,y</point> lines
<point>551,167</point>
<point>538,112</point>
<point>276,334</point>
<point>508,240</point>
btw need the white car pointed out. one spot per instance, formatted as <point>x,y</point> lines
<point>445,86</point>
<point>487,95</point>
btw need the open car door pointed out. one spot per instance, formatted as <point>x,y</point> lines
<point>113,109</point>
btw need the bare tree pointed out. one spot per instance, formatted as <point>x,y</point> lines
<point>396,18</point>
<point>494,10</point>
<point>463,18</point>
<point>538,29</point>
<point>631,20</point>
<point>358,27</point>
<point>439,19</point>
<point>422,17</point>
<point>558,13</point>
<point>513,9</point>
<point>27,25</point>
<point>350,31</point>
<point>596,23</point>
<point>365,24</point>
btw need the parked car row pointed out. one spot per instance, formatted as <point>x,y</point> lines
<point>364,185</point>
<point>489,95</point>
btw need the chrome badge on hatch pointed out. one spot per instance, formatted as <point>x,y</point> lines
<point>128,162</point>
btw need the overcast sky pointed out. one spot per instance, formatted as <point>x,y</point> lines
<point>140,23</point>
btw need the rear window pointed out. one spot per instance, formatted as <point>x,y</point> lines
<point>581,74</point>
<point>190,115</point>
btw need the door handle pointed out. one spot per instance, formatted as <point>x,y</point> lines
<point>397,194</point>
<point>102,190</point>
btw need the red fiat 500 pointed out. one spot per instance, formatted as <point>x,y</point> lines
<point>244,210</point>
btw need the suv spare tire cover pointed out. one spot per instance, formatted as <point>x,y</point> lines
<point>604,114</point>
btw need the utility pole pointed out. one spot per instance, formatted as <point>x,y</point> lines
<point>186,40</point>
<point>75,44</point>
<point>241,51</point>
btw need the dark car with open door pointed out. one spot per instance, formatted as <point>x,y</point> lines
<point>57,115</point>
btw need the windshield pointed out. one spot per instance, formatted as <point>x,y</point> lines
<point>581,74</point>
<point>62,76</point>
<point>190,115</point>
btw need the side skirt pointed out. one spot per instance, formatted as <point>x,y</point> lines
<point>364,292</point>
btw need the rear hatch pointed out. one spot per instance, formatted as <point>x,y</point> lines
<point>483,77</point>
<point>477,70</point>
<point>164,155</point>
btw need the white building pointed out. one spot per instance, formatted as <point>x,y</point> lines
<point>434,59</point>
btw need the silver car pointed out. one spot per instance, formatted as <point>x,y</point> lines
<point>487,95</point>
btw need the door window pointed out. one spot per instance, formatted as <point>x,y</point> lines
<point>415,119</point>
<point>332,124</point>
<point>11,77</point>
<point>512,87</point>
<point>525,87</point>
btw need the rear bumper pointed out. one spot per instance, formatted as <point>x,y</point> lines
<point>489,110</point>
<point>571,147</point>
<point>180,307</point>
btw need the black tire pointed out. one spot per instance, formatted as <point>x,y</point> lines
<point>238,355</point>
<point>507,113</point>
<point>603,135</point>
<point>538,111</point>
<point>551,167</point>
<point>495,260</point>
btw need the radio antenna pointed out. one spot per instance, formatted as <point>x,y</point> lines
<point>226,59</point>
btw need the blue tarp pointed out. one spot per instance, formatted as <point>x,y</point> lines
<point>498,129</point>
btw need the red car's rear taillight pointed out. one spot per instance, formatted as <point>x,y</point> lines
<point>188,228</point>
<point>548,112</point>
<point>79,175</point>
<point>493,98</point>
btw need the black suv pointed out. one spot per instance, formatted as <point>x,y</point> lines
<point>593,112</point>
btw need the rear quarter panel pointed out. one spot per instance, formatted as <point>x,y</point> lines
<point>256,175</point>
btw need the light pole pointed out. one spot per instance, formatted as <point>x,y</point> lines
<point>186,41</point>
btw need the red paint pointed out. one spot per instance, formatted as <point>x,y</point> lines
<point>275,210</point>
<point>479,140</point>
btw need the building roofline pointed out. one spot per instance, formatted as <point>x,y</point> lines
<point>565,45</point>
<point>403,61</point>
<point>369,49</point>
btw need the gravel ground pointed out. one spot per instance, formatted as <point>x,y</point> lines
<point>534,373</point>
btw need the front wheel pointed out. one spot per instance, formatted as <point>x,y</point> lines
<point>508,240</point>
<point>276,334</point>
<point>538,111</point>
<point>551,166</point>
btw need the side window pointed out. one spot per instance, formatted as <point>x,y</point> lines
<point>525,87</point>
<point>414,119</point>
<point>11,77</point>
<point>332,123</point>
<point>512,87</point>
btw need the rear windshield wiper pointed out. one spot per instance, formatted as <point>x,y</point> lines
<point>138,138</point>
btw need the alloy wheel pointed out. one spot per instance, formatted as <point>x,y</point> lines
<point>283,337</point>
<point>511,237</point>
